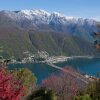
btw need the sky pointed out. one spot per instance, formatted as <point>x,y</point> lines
<point>75,8</point>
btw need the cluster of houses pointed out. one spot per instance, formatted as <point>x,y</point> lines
<point>40,56</point>
<point>37,57</point>
<point>29,58</point>
<point>56,59</point>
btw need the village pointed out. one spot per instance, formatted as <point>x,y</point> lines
<point>39,57</point>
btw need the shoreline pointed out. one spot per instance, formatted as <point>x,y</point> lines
<point>56,59</point>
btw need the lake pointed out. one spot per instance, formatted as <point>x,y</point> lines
<point>42,71</point>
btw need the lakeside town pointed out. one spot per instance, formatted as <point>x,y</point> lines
<point>40,57</point>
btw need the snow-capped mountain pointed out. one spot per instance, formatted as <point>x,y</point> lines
<point>33,30</point>
<point>42,20</point>
<point>42,16</point>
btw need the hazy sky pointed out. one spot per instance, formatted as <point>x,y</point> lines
<point>77,8</point>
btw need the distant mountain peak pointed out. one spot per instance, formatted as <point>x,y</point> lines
<point>35,12</point>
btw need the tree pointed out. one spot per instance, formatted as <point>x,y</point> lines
<point>96,36</point>
<point>64,85</point>
<point>10,88</point>
<point>92,92</point>
<point>27,78</point>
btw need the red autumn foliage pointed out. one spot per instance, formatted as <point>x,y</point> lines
<point>10,88</point>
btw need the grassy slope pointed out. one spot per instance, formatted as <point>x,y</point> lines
<point>59,43</point>
<point>14,41</point>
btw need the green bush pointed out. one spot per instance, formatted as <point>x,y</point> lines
<point>27,78</point>
<point>85,97</point>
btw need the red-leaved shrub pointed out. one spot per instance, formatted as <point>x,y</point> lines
<point>10,88</point>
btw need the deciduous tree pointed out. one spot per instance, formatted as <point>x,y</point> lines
<point>64,85</point>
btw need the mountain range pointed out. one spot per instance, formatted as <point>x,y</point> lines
<point>58,34</point>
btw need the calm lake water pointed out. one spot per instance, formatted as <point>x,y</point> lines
<point>42,71</point>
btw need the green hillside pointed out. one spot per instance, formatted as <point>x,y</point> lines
<point>14,42</point>
<point>60,44</point>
